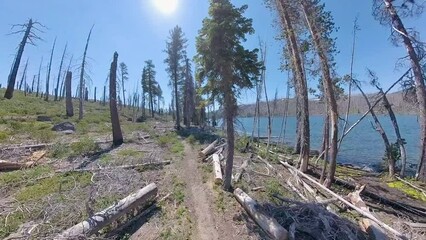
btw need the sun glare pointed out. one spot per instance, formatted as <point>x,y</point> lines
<point>166,6</point>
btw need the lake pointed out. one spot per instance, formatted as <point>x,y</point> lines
<point>363,146</point>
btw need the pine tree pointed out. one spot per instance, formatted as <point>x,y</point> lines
<point>224,65</point>
<point>189,95</point>
<point>124,77</point>
<point>176,54</point>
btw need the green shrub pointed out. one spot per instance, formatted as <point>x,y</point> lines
<point>59,150</point>
<point>191,139</point>
<point>3,135</point>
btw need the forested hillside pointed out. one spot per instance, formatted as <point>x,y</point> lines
<point>400,105</point>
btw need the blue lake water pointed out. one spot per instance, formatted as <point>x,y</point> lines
<point>363,146</point>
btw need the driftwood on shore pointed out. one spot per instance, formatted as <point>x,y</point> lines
<point>101,219</point>
<point>362,212</point>
<point>267,223</point>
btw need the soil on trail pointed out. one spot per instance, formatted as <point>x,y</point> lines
<point>198,200</point>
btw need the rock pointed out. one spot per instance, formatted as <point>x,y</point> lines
<point>44,119</point>
<point>64,126</point>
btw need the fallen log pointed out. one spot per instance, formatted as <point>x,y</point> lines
<point>368,226</point>
<point>267,223</point>
<point>210,149</point>
<point>360,211</point>
<point>11,166</point>
<point>408,208</point>
<point>217,169</point>
<point>101,219</point>
<point>33,146</point>
<point>242,169</point>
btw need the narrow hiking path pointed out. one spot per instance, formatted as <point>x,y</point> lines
<point>198,201</point>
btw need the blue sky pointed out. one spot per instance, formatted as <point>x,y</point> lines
<point>137,30</point>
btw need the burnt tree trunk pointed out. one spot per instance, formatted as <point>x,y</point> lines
<point>82,83</point>
<point>12,76</point>
<point>94,96</point>
<point>68,97</point>
<point>57,89</point>
<point>24,75</point>
<point>229,110</point>
<point>38,78</point>
<point>115,121</point>
<point>32,83</point>
<point>420,85</point>
<point>104,96</point>
<point>86,94</point>
<point>46,96</point>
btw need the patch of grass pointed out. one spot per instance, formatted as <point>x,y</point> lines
<point>191,139</point>
<point>273,187</point>
<point>129,153</point>
<point>11,224</point>
<point>105,159</point>
<point>23,176</point>
<point>56,183</point>
<point>407,190</point>
<point>172,142</point>
<point>104,202</point>
<point>84,147</point>
<point>3,136</point>
<point>177,148</point>
<point>178,190</point>
<point>220,199</point>
<point>59,150</point>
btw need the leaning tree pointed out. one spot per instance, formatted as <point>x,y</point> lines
<point>29,30</point>
<point>224,65</point>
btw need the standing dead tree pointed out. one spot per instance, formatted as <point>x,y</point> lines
<point>59,74</point>
<point>82,73</point>
<point>117,136</point>
<point>38,77</point>
<point>24,75</point>
<point>68,98</point>
<point>46,97</point>
<point>400,142</point>
<point>378,127</point>
<point>63,80</point>
<point>389,13</point>
<point>29,29</point>
<point>263,81</point>
<point>283,7</point>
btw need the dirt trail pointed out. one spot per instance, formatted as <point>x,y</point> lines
<point>198,201</point>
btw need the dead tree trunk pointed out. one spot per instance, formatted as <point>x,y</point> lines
<point>115,121</point>
<point>104,96</point>
<point>46,97</point>
<point>57,89</point>
<point>38,78</point>
<point>300,86</point>
<point>32,83</point>
<point>379,128</point>
<point>12,76</point>
<point>82,82</point>
<point>400,140</point>
<point>68,100</point>
<point>86,94</point>
<point>420,85</point>
<point>24,75</point>
<point>328,88</point>
<point>94,96</point>
<point>263,79</point>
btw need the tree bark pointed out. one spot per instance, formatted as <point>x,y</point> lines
<point>217,169</point>
<point>300,86</point>
<point>104,96</point>
<point>12,76</point>
<point>379,128</point>
<point>68,100</point>
<point>175,83</point>
<point>46,97</point>
<point>94,96</point>
<point>328,90</point>
<point>59,74</point>
<point>115,121</point>
<point>267,223</point>
<point>23,76</point>
<point>400,140</point>
<point>420,85</point>
<point>101,219</point>
<point>82,83</point>
<point>229,110</point>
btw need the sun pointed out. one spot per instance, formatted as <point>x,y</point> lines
<point>166,6</point>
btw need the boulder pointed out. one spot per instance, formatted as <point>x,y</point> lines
<point>64,126</point>
<point>44,119</point>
